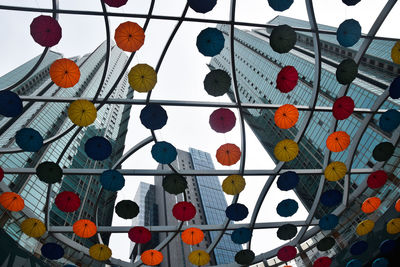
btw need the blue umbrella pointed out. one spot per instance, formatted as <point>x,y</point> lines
<point>236,212</point>
<point>351,2</point>
<point>98,148</point>
<point>10,104</point>
<point>380,262</point>
<point>202,6</point>
<point>29,139</point>
<point>359,247</point>
<point>394,89</point>
<point>164,152</point>
<point>389,120</point>
<point>241,235</point>
<point>348,33</point>
<point>52,251</point>
<point>287,207</point>
<point>210,42</point>
<point>288,181</point>
<point>112,180</point>
<point>331,198</point>
<point>328,222</point>
<point>280,5</point>
<point>354,263</point>
<point>153,116</point>
<point>387,246</point>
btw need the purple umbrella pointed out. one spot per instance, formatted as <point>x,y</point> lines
<point>46,31</point>
<point>222,120</point>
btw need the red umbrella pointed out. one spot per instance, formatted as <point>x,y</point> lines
<point>67,201</point>
<point>184,211</point>
<point>287,79</point>
<point>287,253</point>
<point>1,174</point>
<point>377,179</point>
<point>222,120</point>
<point>115,3</point>
<point>343,107</point>
<point>46,31</point>
<point>322,262</point>
<point>139,234</point>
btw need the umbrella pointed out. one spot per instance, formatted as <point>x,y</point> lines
<point>12,201</point>
<point>331,198</point>
<point>347,71</point>
<point>354,263</point>
<point>115,3</point>
<point>287,253</point>
<point>228,154</point>
<point>52,251</point>
<point>202,6</point>
<point>112,180</point>
<point>326,243</point>
<point>98,148</point>
<point>286,116</point>
<point>127,209</point>
<point>335,171</point>
<point>1,174</point>
<point>192,236</point>
<point>350,2</point>
<point>393,226</point>
<point>348,33</point>
<point>322,262</point>
<point>233,184</point>
<point>394,89</point>
<point>29,139</point>
<point>65,73</point>
<point>33,227</point>
<point>338,141</point>
<point>46,31</point>
<point>328,222</point>
<point>129,36</point>
<point>67,201</point>
<point>236,212</point>
<point>174,184</point>
<point>280,5</point>
<point>377,179</point>
<point>222,120</point>
<point>282,39</point>
<point>84,228</point>
<point>82,112</point>
<point>287,207</point>
<point>184,211</point>
<point>380,262</point>
<point>164,152</point>
<point>359,247</point>
<point>286,231</point>
<point>152,257</point>
<point>210,42</point>
<point>139,234</point>
<point>383,151</point>
<point>397,205</point>
<point>387,246</point>
<point>343,108</point>
<point>287,79</point>
<point>395,54</point>
<point>153,116</point>
<point>245,257</point>
<point>241,235</point>
<point>286,150</point>
<point>100,252</point>
<point>370,204</point>
<point>365,227</point>
<point>49,172</point>
<point>10,104</point>
<point>217,82</point>
<point>199,257</point>
<point>142,78</point>
<point>288,181</point>
<point>389,120</point>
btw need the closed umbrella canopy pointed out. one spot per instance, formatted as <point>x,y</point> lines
<point>335,171</point>
<point>282,39</point>
<point>338,141</point>
<point>365,227</point>
<point>112,180</point>
<point>394,89</point>
<point>46,31</point>
<point>210,42</point>
<point>322,262</point>
<point>139,234</point>
<point>174,184</point>
<point>326,243</point>
<point>49,172</point>
<point>199,257</point>
<point>153,116</point>
<point>98,148</point>
<point>393,226</point>
<point>202,6</point>
<point>236,212</point>
<point>245,257</point>
<point>142,78</point>
<point>359,247</point>
<point>395,53</point>
<point>67,201</point>
<point>10,104</point>
<point>343,108</point>
<point>84,228</point>
<point>241,235</point>
<point>389,120</point>
<point>287,79</point>
<point>280,5</point>
<point>331,198</point>
<point>29,139</point>
<point>348,33</point>
<point>328,222</point>
<point>387,246</point>
<point>371,204</point>
<point>115,3</point>
<point>287,207</point>
<point>152,257</point>
<point>100,252</point>
<point>380,262</point>
<point>12,201</point>
<point>228,154</point>
<point>383,151</point>
<point>286,232</point>
<point>217,82</point>
<point>65,73</point>
<point>129,36</point>
<point>287,253</point>
<point>377,179</point>
<point>127,209</point>
<point>286,116</point>
<point>286,150</point>
<point>52,251</point>
<point>397,205</point>
<point>222,120</point>
<point>82,112</point>
<point>354,263</point>
<point>233,184</point>
<point>33,227</point>
<point>288,181</point>
<point>347,71</point>
<point>164,152</point>
<point>184,211</point>
<point>350,2</point>
<point>192,236</point>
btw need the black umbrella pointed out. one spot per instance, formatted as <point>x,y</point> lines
<point>49,172</point>
<point>383,151</point>
<point>286,231</point>
<point>245,257</point>
<point>347,71</point>
<point>282,39</point>
<point>127,209</point>
<point>174,184</point>
<point>217,82</point>
<point>326,243</point>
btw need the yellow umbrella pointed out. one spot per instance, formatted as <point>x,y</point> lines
<point>142,78</point>
<point>82,112</point>
<point>100,252</point>
<point>365,227</point>
<point>396,53</point>
<point>233,184</point>
<point>286,150</point>
<point>393,226</point>
<point>33,227</point>
<point>335,171</point>
<point>199,257</point>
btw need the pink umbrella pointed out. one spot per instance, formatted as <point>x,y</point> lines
<point>287,253</point>
<point>46,31</point>
<point>222,120</point>
<point>115,3</point>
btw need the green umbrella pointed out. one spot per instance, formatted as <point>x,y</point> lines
<point>49,172</point>
<point>286,231</point>
<point>217,82</point>
<point>346,71</point>
<point>326,243</point>
<point>174,184</point>
<point>282,39</point>
<point>383,151</point>
<point>127,209</point>
<point>245,257</point>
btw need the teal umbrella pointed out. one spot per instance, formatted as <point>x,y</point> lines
<point>217,82</point>
<point>49,172</point>
<point>282,39</point>
<point>347,71</point>
<point>174,184</point>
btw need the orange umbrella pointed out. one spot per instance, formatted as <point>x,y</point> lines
<point>64,72</point>
<point>228,154</point>
<point>286,116</point>
<point>129,36</point>
<point>192,236</point>
<point>152,257</point>
<point>84,228</point>
<point>12,201</point>
<point>338,141</point>
<point>397,206</point>
<point>370,204</point>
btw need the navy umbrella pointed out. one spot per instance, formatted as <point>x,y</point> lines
<point>394,89</point>
<point>328,222</point>
<point>354,263</point>
<point>164,152</point>
<point>280,5</point>
<point>10,104</point>
<point>52,251</point>
<point>287,207</point>
<point>202,6</point>
<point>348,33</point>
<point>288,181</point>
<point>153,116</point>
<point>241,235</point>
<point>331,198</point>
<point>286,231</point>
<point>98,148</point>
<point>236,212</point>
<point>383,151</point>
<point>359,247</point>
<point>112,180</point>
<point>387,246</point>
<point>29,139</point>
<point>245,257</point>
<point>210,42</point>
<point>351,2</point>
<point>217,82</point>
<point>389,120</point>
